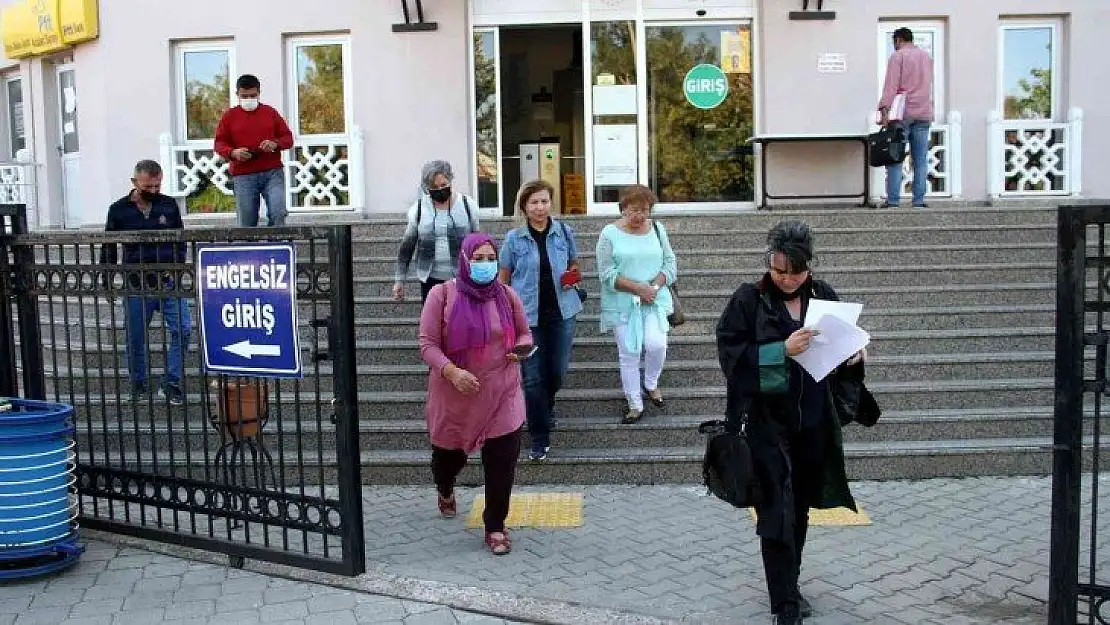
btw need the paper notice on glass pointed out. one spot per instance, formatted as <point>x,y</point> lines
<point>615,154</point>
<point>844,310</point>
<point>614,99</point>
<point>840,340</point>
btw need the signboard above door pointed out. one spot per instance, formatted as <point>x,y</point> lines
<point>35,27</point>
<point>517,12</point>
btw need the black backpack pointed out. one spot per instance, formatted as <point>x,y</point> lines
<point>888,146</point>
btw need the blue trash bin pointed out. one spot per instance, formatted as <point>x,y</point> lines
<point>38,517</point>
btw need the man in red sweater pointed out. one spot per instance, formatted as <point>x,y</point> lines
<point>251,137</point>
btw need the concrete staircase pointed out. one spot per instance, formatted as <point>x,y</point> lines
<point>959,302</point>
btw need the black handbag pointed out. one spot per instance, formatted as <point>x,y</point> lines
<point>727,468</point>
<point>888,146</point>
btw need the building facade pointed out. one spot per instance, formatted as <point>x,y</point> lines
<point>591,94</point>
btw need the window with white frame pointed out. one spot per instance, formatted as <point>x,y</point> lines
<point>205,87</point>
<point>1029,70</point>
<point>320,85</point>
<point>927,35</point>
<point>17,129</point>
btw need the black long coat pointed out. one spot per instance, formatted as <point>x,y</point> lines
<point>755,319</point>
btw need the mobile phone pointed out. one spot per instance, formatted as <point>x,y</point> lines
<point>531,352</point>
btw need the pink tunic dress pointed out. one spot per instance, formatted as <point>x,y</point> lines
<point>456,421</point>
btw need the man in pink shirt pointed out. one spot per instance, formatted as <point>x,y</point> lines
<point>909,72</point>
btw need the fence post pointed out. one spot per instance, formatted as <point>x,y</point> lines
<point>995,166</point>
<point>1075,151</point>
<point>9,373</point>
<point>356,170</point>
<point>341,339</point>
<point>956,155</point>
<point>165,154</point>
<point>1067,445</point>
<point>27,307</point>
<point>878,177</point>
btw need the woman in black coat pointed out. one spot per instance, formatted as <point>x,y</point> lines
<point>793,421</point>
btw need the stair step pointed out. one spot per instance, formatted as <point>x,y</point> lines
<point>659,465</point>
<point>584,375</point>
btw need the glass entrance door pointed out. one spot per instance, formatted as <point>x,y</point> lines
<point>69,147</point>
<point>700,112</point>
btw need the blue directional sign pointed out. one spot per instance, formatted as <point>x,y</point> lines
<point>247,296</point>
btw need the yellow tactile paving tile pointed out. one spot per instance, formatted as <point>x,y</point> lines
<point>832,516</point>
<point>540,510</point>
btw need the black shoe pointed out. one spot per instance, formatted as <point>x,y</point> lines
<point>173,394</point>
<point>921,206</point>
<point>139,390</point>
<point>536,455</point>
<point>804,609</point>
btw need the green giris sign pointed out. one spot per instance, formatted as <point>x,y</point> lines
<point>705,86</point>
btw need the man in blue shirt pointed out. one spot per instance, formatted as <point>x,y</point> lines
<point>145,208</point>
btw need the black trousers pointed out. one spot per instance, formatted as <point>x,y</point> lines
<point>499,457</point>
<point>426,287</point>
<point>805,452</point>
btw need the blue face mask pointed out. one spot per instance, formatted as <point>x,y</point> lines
<point>483,271</point>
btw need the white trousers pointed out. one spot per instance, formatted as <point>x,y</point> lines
<point>654,354</point>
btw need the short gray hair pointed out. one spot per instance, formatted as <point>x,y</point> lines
<point>149,167</point>
<point>432,169</point>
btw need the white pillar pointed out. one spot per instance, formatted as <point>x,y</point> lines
<point>1075,151</point>
<point>995,155</point>
<point>955,162</point>
<point>356,171</point>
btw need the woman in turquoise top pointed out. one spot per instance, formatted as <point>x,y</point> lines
<point>637,266</point>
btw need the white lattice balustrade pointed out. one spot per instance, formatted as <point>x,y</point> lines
<point>945,159</point>
<point>320,173</point>
<point>15,184</point>
<point>1035,157</point>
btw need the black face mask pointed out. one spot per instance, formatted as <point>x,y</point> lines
<point>440,195</point>
<point>148,196</point>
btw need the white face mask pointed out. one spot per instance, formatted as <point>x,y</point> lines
<point>249,104</point>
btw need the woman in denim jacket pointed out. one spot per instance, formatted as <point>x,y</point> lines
<point>539,260</point>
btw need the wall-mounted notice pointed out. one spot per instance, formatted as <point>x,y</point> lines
<point>614,154</point>
<point>736,51</point>
<point>832,63</point>
<point>614,99</point>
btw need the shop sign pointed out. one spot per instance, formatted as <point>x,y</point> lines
<point>80,20</point>
<point>705,86</point>
<point>35,27</point>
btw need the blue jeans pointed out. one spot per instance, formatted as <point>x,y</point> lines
<point>175,318</point>
<point>543,375</point>
<point>251,188</point>
<point>918,134</point>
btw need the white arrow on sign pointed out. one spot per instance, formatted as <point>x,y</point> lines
<point>248,350</point>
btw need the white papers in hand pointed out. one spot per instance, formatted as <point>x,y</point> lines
<point>820,307</point>
<point>841,340</point>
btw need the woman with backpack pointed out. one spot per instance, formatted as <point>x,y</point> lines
<point>539,259</point>
<point>437,223</point>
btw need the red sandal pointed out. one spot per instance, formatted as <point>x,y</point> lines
<point>499,543</point>
<point>448,506</point>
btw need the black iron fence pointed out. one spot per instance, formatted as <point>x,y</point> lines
<point>1078,588</point>
<point>254,468</point>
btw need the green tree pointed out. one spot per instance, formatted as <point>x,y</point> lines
<point>695,154</point>
<point>1035,98</point>
<point>320,90</point>
<point>205,103</point>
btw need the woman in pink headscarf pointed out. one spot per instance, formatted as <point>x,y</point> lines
<point>473,335</point>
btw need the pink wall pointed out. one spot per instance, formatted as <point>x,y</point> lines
<point>796,98</point>
<point>409,91</point>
